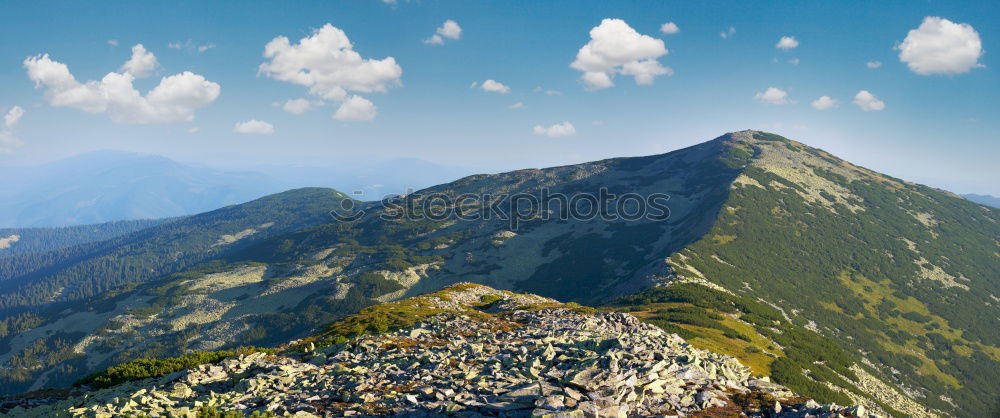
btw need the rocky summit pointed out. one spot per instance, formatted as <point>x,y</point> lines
<point>477,352</point>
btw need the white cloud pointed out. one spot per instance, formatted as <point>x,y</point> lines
<point>254,127</point>
<point>449,29</point>
<point>873,64</point>
<point>356,108</point>
<point>113,42</point>
<point>494,87</point>
<point>728,33</point>
<point>7,139</point>
<point>328,65</point>
<point>824,103</point>
<point>517,105</point>
<point>940,46</point>
<point>786,43</point>
<point>190,45</point>
<point>434,40</point>
<point>12,117</point>
<point>794,61</point>
<point>175,99</point>
<point>556,131</point>
<point>142,63</point>
<point>193,130</point>
<point>298,106</point>
<point>772,95</point>
<point>669,28</point>
<point>616,48</point>
<point>868,102</point>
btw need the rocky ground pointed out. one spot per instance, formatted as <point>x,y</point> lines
<point>550,362</point>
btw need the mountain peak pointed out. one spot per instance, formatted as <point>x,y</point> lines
<point>844,275</point>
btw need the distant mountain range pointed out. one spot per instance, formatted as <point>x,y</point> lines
<point>984,199</point>
<point>108,186</point>
<point>843,284</point>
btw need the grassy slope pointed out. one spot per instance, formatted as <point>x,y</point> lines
<point>91,279</point>
<point>920,305</point>
<point>373,320</point>
<point>769,242</point>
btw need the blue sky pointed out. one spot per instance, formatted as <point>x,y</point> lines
<point>939,128</point>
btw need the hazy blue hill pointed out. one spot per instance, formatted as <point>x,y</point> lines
<point>108,186</point>
<point>984,199</point>
<point>87,270</point>
<point>373,178</point>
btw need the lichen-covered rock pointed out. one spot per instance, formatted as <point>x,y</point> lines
<point>551,362</point>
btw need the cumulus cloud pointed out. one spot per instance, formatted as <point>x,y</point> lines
<point>786,43</point>
<point>7,139</point>
<point>493,86</point>
<point>448,30</point>
<point>298,106</point>
<point>556,131</point>
<point>327,64</point>
<point>824,103</point>
<point>517,105</point>
<point>616,48</point>
<point>940,46</point>
<point>356,108</point>
<point>175,99</point>
<point>727,33</point>
<point>142,63</point>
<point>772,95</point>
<point>669,28</point>
<point>868,102</point>
<point>873,64</point>
<point>254,127</point>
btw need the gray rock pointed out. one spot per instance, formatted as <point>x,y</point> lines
<point>554,362</point>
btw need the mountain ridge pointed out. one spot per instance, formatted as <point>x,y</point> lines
<point>894,273</point>
<point>519,354</point>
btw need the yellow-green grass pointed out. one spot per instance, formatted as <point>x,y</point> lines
<point>723,239</point>
<point>760,356</point>
<point>873,293</point>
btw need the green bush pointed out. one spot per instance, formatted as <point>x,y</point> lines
<point>144,368</point>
